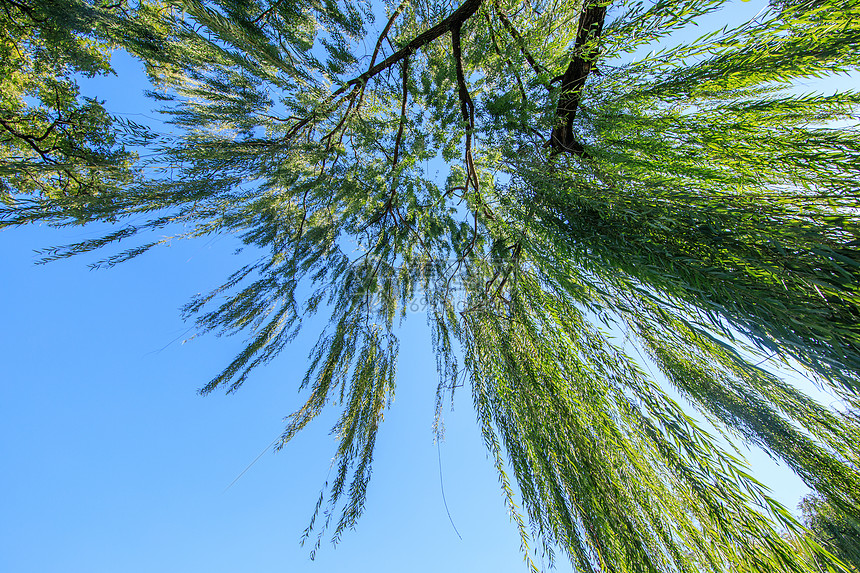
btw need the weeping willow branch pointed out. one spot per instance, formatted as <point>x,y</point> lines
<point>714,220</point>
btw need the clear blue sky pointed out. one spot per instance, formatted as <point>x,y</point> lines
<point>112,462</point>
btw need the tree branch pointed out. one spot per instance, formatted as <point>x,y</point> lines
<point>507,60</point>
<point>30,140</point>
<point>539,69</point>
<point>268,11</point>
<point>402,110</point>
<point>379,41</point>
<point>466,10</point>
<point>590,26</point>
<point>460,15</point>
<point>467,107</point>
<point>327,138</point>
<point>385,31</point>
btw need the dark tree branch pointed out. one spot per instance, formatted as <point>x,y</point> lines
<point>356,84</point>
<point>30,140</point>
<point>385,31</point>
<point>379,41</point>
<point>268,11</point>
<point>507,60</point>
<point>467,107</point>
<point>327,138</point>
<point>539,69</point>
<point>516,256</point>
<point>33,142</point>
<point>460,15</point>
<point>585,50</point>
<point>399,137</point>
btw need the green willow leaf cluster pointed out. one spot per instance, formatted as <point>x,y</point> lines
<point>55,142</point>
<point>838,532</point>
<point>599,213</point>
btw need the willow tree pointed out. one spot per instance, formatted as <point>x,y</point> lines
<point>603,213</point>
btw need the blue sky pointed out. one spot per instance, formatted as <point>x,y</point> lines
<point>112,462</point>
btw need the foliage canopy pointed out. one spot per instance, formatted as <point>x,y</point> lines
<point>600,207</point>
<point>53,141</point>
<point>838,532</point>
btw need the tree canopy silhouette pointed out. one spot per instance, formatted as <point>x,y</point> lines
<point>602,210</point>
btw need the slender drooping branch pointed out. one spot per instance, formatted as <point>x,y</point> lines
<point>467,107</point>
<point>585,52</point>
<point>506,60</point>
<point>385,32</point>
